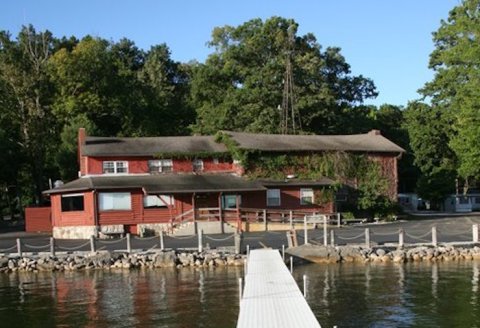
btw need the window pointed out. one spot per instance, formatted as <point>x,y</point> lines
<point>216,161</point>
<point>273,197</point>
<point>230,201</point>
<point>197,165</point>
<point>115,201</point>
<point>153,201</point>
<point>72,202</point>
<point>113,167</point>
<point>306,196</point>
<point>160,165</point>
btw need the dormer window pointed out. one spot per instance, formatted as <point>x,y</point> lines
<point>160,166</point>
<point>197,165</point>
<point>115,167</point>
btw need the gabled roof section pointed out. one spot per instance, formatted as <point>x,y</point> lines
<point>168,183</point>
<point>367,142</point>
<point>150,146</point>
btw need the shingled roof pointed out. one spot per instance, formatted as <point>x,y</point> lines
<point>149,146</point>
<point>367,142</point>
<point>168,183</point>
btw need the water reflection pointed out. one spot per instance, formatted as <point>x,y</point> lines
<point>150,298</point>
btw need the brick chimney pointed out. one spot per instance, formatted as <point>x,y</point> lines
<point>375,132</point>
<point>81,141</point>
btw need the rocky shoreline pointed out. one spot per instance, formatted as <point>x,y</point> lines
<point>338,254</point>
<point>107,260</point>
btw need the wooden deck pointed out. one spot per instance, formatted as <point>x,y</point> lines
<point>271,297</point>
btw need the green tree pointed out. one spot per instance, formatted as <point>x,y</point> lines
<point>24,79</point>
<point>455,88</point>
<point>429,128</point>
<point>241,84</point>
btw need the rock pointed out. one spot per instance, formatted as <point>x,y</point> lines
<point>351,254</point>
<point>165,260</point>
<point>380,252</point>
<point>317,254</point>
<point>398,256</point>
<point>3,262</point>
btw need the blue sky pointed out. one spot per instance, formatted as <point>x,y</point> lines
<point>388,41</point>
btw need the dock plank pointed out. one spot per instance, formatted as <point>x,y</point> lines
<point>271,297</point>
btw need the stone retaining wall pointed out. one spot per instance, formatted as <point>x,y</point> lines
<point>75,232</point>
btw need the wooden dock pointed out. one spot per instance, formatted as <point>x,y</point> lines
<point>271,297</point>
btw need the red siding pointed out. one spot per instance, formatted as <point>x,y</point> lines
<point>76,218</point>
<point>38,219</point>
<point>388,163</point>
<point>135,164</point>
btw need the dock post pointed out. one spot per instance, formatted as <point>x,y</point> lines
<point>200,241</point>
<point>129,243</point>
<point>339,219</point>
<point>332,238</point>
<point>162,244</point>
<point>305,285</point>
<point>265,220</point>
<point>238,243</point>
<point>367,237</point>
<point>52,246</point>
<point>305,228</point>
<point>401,238</point>
<point>291,264</point>
<point>291,219</point>
<point>325,232</point>
<point>434,236</point>
<point>283,253</point>
<point>475,233</point>
<point>248,250</point>
<point>240,290</point>
<point>92,243</point>
<point>19,247</point>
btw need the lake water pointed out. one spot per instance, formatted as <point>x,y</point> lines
<point>346,295</point>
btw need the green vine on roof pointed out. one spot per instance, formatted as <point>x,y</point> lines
<point>192,155</point>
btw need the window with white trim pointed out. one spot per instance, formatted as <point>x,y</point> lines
<point>230,201</point>
<point>115,167</point>
<point>72,202</point>
<point>273,197</point>
<point>306,196</point>
<point>160,165</point>
<point>197,165</point>
<point>109,201</point>
<point>158,201</point>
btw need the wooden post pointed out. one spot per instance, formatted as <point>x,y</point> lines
<point>367,237</point>
<point>291,264</point>
<point>162,244</point>
<point>129,243</point>
<point>401,238</point>
<point>332,238</point>
<point>264,220</point>
<point>52,246</point>
<point>200,241</point>
<point>305,285</point>
<point>19,247</point>
<point>434,236</point>
<point>305,229</point>
<point>92,244</point>
<point>475,233</point>
<point>325,232</point>
<point>339,220</point>
<point>291,219</point>
<point>240,290</point>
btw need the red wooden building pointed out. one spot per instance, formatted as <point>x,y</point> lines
<point>141,185</point>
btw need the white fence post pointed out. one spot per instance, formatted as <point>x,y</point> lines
<point>129,243</point>
<point>265,220</point>
<point>162,243</point>
<point>19,247</point>
<point>52,246</point>
<point>339,219</point>
<point>434,236</point>
<point>475,233</point>
<point>332,238</point>
<point>291,219</point>
<point>305,285</point>
<point>291,264</point>
<point>367,237</point>
<point>305,229</point>
<point>92,244</point>
<point>325,232</point>
<point>200,240</point>
<point>401,238</point>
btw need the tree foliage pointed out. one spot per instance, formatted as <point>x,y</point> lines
<point>240,86</point>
